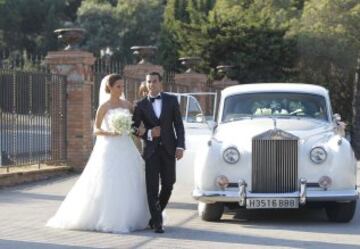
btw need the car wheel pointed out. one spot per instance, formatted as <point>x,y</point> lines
<point>340,211</point>
<point>211,212</point>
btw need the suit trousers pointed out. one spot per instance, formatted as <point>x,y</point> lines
<point>159,169</point>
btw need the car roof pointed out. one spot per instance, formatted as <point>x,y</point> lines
<point>275,87</point>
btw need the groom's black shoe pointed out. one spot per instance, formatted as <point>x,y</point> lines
<point>151,225</point>
<point>158,229</point>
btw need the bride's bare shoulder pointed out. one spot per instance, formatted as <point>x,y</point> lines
<point>103,107</point>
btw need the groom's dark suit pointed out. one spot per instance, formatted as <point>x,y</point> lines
<point>159,153</point>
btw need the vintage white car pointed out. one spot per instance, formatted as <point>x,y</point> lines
<point>276,146</point>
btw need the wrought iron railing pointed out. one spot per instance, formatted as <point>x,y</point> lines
<point>32,117</point>
<point>101,68</point>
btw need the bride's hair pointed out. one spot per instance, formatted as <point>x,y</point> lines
<point>111,81</point>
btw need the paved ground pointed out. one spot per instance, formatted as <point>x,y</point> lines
<point>24,211</point>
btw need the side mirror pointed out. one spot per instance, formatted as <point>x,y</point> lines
<point>340,126</point>
<point>337,117</point>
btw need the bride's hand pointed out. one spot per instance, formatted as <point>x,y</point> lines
<point>140,131</point>
<point>114,133</point>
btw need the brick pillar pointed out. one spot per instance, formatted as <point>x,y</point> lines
<point>76,66</point>
<point>134,75</point>
<point>195,82</point>
<point>225,82</point>
<point>219,85</point>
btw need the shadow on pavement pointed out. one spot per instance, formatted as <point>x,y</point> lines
<point>303,220</point>
<point>182,205</point>
<point>180,233</point>
<point>22,197</point>
<point>11,244</point>
<point>25,192</point>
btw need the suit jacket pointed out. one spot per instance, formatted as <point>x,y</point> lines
<point>172,133</point>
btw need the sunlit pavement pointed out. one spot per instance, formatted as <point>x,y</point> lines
<point>24,211</point>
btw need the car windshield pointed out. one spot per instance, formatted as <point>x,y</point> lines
<point>282,104</point>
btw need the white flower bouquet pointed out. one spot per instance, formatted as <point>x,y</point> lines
<point>121,123</point>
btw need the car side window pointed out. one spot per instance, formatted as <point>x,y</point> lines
<point>194,112</point>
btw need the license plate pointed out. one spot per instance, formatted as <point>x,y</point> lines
<point>272,203</point>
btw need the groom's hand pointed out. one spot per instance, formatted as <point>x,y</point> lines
<point>179,153</point>
<point>155,132</point>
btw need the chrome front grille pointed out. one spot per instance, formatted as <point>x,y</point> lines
<point>274,162</point>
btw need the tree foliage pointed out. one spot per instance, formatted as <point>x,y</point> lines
<point>328,45</point>
<point>246,34</point>
<point>120,24</point>
<point>29,24</point>
<point>312,41</point>
<point>101,23</point>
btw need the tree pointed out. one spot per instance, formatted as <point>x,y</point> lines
<point>246,34</point>
<point>181,29</point>
<point>328,44</point>
<point>174,14</point>
<point>121,24</point>
<point>101,23</point>
<point>29,24</point>
<point>140,23</point>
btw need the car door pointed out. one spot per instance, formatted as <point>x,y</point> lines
<point>197,129</point>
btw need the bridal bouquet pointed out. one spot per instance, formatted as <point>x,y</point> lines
<point>121,123</point>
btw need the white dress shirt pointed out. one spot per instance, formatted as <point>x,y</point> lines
<point>157,105</point>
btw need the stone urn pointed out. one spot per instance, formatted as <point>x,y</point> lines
<point>190,63</point>
<point>72,37</point>
<point>144,52</point>
<point>224,70</point>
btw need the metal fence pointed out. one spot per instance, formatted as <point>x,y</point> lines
<point>101,68</point>
<point>132,85</point>
<point>33,105</point>
<point>32,117</point>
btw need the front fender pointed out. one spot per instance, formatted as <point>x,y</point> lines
<point>340,164</point>
<point>206,165</point>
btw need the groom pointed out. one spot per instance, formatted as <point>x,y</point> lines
<point>164,143</point>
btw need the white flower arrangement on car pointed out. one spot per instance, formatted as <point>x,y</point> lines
<point>269,111</point>
<point>263,111</point>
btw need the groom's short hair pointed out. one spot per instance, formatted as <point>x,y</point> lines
<point>157,74</point>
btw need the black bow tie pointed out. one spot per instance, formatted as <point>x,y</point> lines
<point>152,99</point>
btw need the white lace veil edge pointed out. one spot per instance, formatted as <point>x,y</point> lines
<point>103,95</point>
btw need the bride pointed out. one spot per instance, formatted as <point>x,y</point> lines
<point>110,195</point>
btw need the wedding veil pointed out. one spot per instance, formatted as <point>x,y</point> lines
<point>103,95</point>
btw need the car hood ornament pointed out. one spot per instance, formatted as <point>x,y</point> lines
<point>274,120</point>
<point>275,134</point>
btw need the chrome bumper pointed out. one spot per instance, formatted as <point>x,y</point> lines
<point>305,194</point>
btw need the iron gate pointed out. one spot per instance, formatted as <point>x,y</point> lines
<point>32,117</point>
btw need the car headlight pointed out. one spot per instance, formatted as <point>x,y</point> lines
<point>231,155</point>
<point>318,155</point>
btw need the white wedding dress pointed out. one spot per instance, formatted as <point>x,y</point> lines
<point>110,195</point>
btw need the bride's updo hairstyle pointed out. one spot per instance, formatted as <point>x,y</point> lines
<point>111,81</point>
